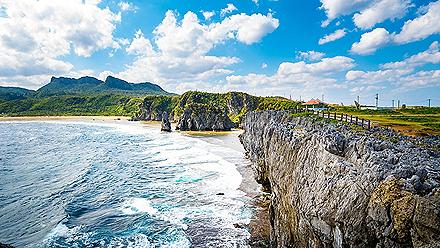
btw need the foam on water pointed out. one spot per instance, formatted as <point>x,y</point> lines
<point>136,206</point>
<point>137,187</point>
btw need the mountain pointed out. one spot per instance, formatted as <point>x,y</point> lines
<point>91,85</point>
<point>14,93</point>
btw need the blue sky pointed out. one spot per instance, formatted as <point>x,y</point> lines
<point>336,48</point>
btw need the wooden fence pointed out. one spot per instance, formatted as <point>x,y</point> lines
<point>338,116</point>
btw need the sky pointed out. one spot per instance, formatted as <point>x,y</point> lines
<point>337,50</point>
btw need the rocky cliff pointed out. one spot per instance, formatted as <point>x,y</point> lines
<point>208,111</point>
<point>333,185</point>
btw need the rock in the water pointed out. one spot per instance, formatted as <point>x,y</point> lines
<point>332,186</point>
<point>166,124</point>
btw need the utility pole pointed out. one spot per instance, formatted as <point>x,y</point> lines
<point>377,100</point>
<point>322,99</point>
<point>358,100</point>
<point>429,102</point>
<point>393,103</point>
<point>398,104</point>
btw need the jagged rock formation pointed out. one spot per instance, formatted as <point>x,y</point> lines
<point>204,118</point>
<point>207,111</point>
<point>166,124</point>
<point>334,186</point>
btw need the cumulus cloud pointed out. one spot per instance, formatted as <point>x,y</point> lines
<point>208,14</point>
<point>380,11</point>
<point>422,26</point>
<point>310,55</point>
<point>140,45</point>
<point>338,34</point>
<point>35,34</point>
<point>179,58</point>
<point>126,6</point>
<point>371,41</point>
<point>413,30</point>
<point>337,8</point>
<point>402,74</point>
<point>367,13</point>
<point>430,56</point>
<point>229,9</point>
<point>300,75</point>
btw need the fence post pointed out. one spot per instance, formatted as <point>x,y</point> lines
<point>369,124</point>
<point>362,120</point>
<point>357,120</point>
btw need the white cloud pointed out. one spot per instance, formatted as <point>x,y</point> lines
<point>380,11</point>
<point>208,14</point>
<point>140,45</point>
<point>179,58</point>
<point>263,66</point>
<point>229,9</point>
<point>367,13</point>
<point>401,75</point>
<point>338,34</point>
<point>430,56</point>
<point>126,6</point>
<point>35,34</point>
<point>311,55</point>
<point>422,26</point>
<point>371,41</point>
<point>301,76</point>
<point>192,37</point>
<point>337,8</point>
<point>413,30</point>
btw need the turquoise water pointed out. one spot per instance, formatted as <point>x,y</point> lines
<point>89,184</point>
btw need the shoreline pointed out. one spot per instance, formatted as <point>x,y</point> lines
<point>258,226</point>
<point>63,118</point>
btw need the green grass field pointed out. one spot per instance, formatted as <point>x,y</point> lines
<point>410,121</point>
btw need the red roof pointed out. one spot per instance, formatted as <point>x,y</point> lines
<point>315,102</point>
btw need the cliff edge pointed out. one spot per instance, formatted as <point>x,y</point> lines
<point>334,185</point>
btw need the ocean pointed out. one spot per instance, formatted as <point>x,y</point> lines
<point>118,184</point>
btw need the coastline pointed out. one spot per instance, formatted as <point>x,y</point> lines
<point>65,118</point>
<point>258,227</point>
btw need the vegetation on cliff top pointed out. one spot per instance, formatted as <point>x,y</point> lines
<point>235,104</point>
<point>413,121</point>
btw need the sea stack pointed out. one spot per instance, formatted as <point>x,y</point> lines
<point>166,124</point>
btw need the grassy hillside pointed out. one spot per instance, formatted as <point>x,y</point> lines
<point>114,105</point>
<point>14,93</point>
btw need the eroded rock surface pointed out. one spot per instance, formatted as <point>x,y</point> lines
<point>334,186</point>
<point>204,118</point>
<point>166,124</point>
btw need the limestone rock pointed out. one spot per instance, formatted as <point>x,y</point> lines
<point>332,186</point>
<point>166,124</point>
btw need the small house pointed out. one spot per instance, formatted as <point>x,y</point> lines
<point>315,104</point>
